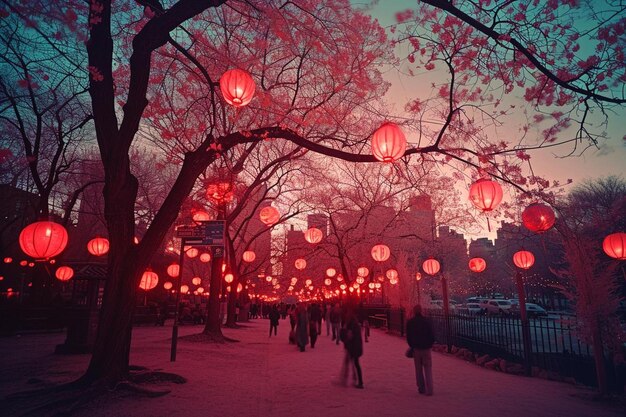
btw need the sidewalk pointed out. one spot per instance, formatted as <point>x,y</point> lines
<point>261,376</point>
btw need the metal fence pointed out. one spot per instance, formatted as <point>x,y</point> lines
<point>555,345</point>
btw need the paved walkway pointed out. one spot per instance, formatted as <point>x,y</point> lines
<point>261,376</point>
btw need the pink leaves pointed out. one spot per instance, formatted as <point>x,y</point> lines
<point>522,155</point>
<point>95,73</point>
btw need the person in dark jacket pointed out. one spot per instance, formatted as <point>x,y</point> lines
<point>274,316</point>
<point>420,337</point>
<point>353,344</point>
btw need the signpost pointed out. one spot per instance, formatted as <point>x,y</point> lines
<point>207,233</point>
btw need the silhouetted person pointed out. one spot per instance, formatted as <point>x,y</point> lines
<point>353,343</point>
<point>302,327</point>
<point>274,315</point>
<point>420,337</point>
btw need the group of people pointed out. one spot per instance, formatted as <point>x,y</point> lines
<point>349,325</point>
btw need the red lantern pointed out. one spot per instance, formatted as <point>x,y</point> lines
<point>229,278</point>
<point>431,266</point>
<point>391,274</point>
<point>328,281</point>
<point>313,235</point>
<point>360,280</point>
<point>362,271</point>
<point>168,285</point>
<point>477,264</point>
<point>614,245</point>
<point>98,246</point>
<point>220,192</point>
<point>173,270</point>
<point>239,287</point>
<point>184,289</point>
<point>269,215</point>
<point>43,240</point>
<point>8,260</point>
<point>249,256</point>
<point>380,253</point>
<point>300,264</point>
<point>64,273</point>
<point>192,252</point>
<point>388,143</point>
<point>205,257</point>
<point>485,194</point>
<point>196,280</point>
<point>149,280</point>
<point>523,259</point>
<point>237,87</point>
<point>418,276</point>
<point>331,272</point>
<point>200,216</point>
<point>538,217</point>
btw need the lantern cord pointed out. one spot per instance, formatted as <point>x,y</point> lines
<point>488,225</point>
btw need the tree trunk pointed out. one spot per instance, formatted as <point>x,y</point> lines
<point>598,357</point>
<point>232,295</point>
<point>213,325</point>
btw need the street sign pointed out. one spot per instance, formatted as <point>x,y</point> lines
<point>207,233</point>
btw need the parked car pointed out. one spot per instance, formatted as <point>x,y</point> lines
<point>532,310</point>
<point>473,309</point>
<point>502,307</point>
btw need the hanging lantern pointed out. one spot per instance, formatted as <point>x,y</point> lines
<point>343,286</point>
<point>149,280</point>
<point>360,280</point>
<point>52,261</point>
<point>362,271</point>
<point>220,192</point>
<point>8,260</point>
<point>328,281</point>
<point>196,280</point>
<point>380,253</point>
<point>477,264</point>
<point>538,217</point>
<point>294,280</point>
<point>200,216</point>
<point>431,266</point>
<point>393,281</point>
<point>249,256</point>
<point>331,272</point>
<point>269,215</point>
<point>418,276</point>
<point>378,285</point>
<point>43,240</point>
<point>391,274</point>
<point>168,285</point>
<point>523,259</point>
<point>371,285</point>
<point>388,143</point>
<point>184,289</point>
<point>64,273</point>
<point>23,263</point>
<point>205,257</point>
<point>308,282</point>
<point>300,264</point>
<point>614,245</point>
<point>229,278</point>
<point>485,194</point>
<point>98,246</point>
<point>268,278</point>
<point>339,278</point>
<point>173,270</point>
<point>237,87</point>
<point>239,287</point>
<point>191,252</point>
<point>200,290</point>
<point>313,235</point>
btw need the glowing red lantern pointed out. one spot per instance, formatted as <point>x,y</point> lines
<point>269,215</point>
<point>328,281</point>
<point>43,240</point>
<point>538,217</point>
<point>239,287</point>
<point>477,264</point>
<point>229,278</point>
<point>196,280</point>
<point>205,257</point>
<point>149,280</point>
<point>391,274</point>
<point>237,87</point>
<point>485,194</point>
<point>331,272</point>
<point>362,271</point>
<point>431,266</point>
<point>388,143</point>
<point>380,253</point>
<point>192,252</point>
<point>614,245</point>
<point>23,263</point>
<point>184,289</point>
<point>8,260</point>
<point>98,246</point>
<point>249,256</point>
<point>64,273</point>
<point>168,285</point>
<point>300,264</point>
<point>418,276</point>
<point>360,280</point>
<point>220,192</point>
<point>200,216</point>
<point>523,259</point>
<point>200,290</point>
<point>173,270</point>
<point>313,235</point>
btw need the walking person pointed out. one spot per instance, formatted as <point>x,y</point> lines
<point>274,316</point>
<point>302,326</point>
<point>353,344</point>
<point>327,318</point>
<point>420,337</point>
<point>335,320</point>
